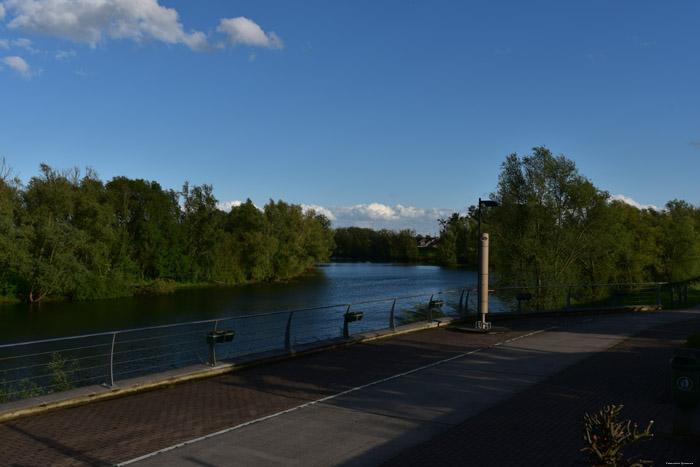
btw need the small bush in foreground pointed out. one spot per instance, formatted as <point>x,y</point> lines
<point>605,436</point>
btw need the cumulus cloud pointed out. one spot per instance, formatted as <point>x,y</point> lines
<point>631,202</point>
<point>380,216</point>
<point>20,66</point>
<point>90,21</point>
<point>245,31</point>
<point>2,12</point>
<point>319,210</point>
<point>375,216</point>
<point>228,205</point>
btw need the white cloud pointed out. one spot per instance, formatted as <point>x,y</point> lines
<point>2,12</point>
<point>375,216</point>
<point>20,66</point>
<point>89,21</point>
<point>631,202</point>
<point>4,44</point>
<point>228,205</point>
<point>65,55</point>
<point>319,210</point>
<point>245,31</point>
<point>25,44</point>
<point>379,216</point>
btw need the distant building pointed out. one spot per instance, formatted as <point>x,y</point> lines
<point>427,242</point>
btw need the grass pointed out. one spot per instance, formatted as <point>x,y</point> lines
<point>693,342</point>
<point>693,296</point>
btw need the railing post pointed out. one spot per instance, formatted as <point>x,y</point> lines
<point>110,374</point>
<point>391,317</point>
<point>212,347</point>
<point>288,334</point>
<point>673,298</point>
<point>429,316</point>
<point>685,294</point>
<point>658,295</point>
<point>346,333</point>
<point>460,311</point>
<point>568,299</point>
<point>680,295</point>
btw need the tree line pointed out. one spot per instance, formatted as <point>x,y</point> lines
<point>553,227</point>
<point>67,234</point>
<point>70,235</point>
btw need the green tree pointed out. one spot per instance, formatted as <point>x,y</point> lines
<point>680,242</point>
<point>549,226</point>
<point>203,230</point>
<point>51,243</point>
<point>10,247</point>
<point>149,242</point>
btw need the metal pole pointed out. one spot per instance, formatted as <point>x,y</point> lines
<point>212,348</point>
<point>288,333</point>
<point>346,331</point>
<point>478,280</point>
<point>110,375</point>
<point>484,278</point>
<point>391,317</point>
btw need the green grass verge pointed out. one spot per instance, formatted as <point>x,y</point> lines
<point>693,342</point>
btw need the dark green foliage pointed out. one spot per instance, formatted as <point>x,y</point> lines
<point>554,227</point>
<point>61,372</point>
<point>458,240</point>
<point>70,236</point>
<point>605,437</point>
<point>158,286</point>
<point>383,245</point>
<point>693,342</point>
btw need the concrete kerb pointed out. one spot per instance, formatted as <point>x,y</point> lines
<point>94,393</point>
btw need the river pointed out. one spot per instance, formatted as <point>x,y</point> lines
<point>327,284</point>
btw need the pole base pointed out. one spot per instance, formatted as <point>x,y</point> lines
<point>482,325</point>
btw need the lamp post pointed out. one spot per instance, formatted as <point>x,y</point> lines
<point>483,268</point>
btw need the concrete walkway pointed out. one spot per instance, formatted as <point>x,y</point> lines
<point>436,397</point>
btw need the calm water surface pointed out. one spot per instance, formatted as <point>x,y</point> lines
<point>328,284</point>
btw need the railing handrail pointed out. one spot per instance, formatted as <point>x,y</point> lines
<point>228,318</point>
<point>576,285</point>
<point>299,310</point>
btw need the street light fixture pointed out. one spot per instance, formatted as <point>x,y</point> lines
<point>488,203</point>
<point>483,244</point>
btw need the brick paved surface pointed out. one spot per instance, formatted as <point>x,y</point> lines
<point>113,431</point>
<point>542,426</point>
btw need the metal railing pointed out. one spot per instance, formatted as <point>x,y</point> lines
<point>51,365</point>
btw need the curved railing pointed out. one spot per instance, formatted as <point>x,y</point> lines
<point>51,365</point>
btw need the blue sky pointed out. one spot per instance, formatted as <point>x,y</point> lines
<point>379,113</point>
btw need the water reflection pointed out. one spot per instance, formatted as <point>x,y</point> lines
<point>328,284</point>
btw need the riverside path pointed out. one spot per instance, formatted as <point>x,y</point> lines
<point>435,397</point>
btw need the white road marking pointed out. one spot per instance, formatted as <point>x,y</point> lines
<point>333,396</point>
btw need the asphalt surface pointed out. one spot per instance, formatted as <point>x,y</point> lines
<point>436,397</point>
